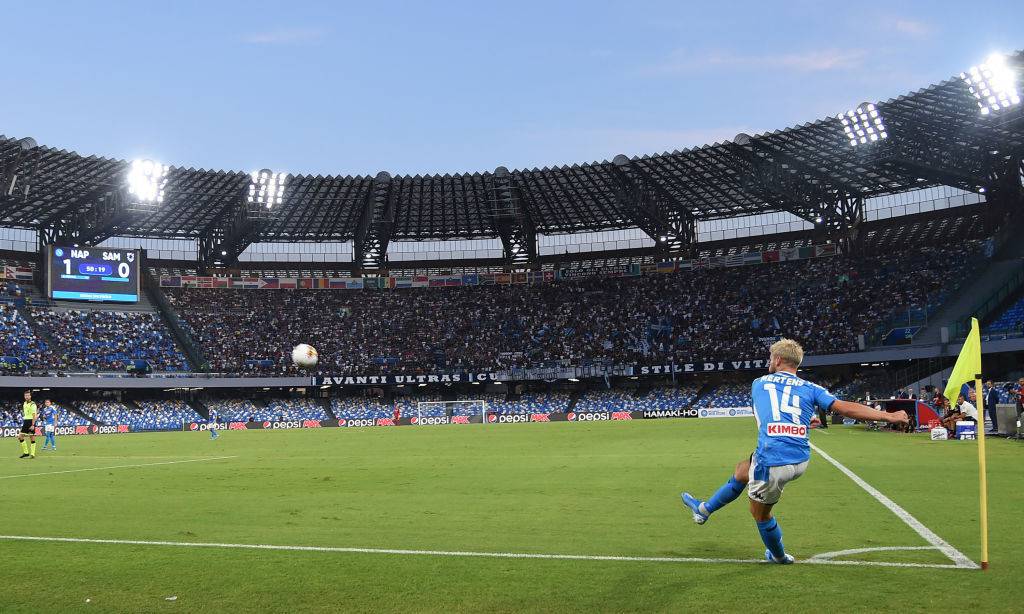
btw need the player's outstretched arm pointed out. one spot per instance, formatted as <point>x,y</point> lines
<point>863,412</point>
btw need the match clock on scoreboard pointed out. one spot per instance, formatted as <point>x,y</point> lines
<point>93,274</point>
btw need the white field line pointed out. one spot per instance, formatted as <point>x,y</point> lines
<point>959,558</point>
<point>177,462</point>
<point>824,556</point>
<point>453,553</point>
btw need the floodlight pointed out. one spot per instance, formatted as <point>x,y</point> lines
<point>993,83</point>
<point>146,181</point>
<point>266,188</point>
<point>863,125</point>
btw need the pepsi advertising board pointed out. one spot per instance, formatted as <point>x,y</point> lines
<point>102,274</point>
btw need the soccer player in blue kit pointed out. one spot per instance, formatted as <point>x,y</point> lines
<point>212,424</point>
<point>50,425</point>
<point>784,404</point>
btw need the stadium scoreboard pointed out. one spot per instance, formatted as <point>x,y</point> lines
<point>101,274</point>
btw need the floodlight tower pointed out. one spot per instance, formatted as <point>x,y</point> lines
<point>254,208</point>
<point>994,86</point>
<point>993,83</point>
<point>147,182</point>
<point>863,125</point>
<point>98,214</point>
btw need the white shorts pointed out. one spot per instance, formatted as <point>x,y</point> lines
<point>48,428</point>
<point>765,484</point>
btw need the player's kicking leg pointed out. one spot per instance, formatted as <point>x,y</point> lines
<point>725,495</point>
<point>765,489</point>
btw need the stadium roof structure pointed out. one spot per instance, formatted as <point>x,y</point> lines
<point>934,136</point>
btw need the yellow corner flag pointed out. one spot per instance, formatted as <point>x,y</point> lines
<point>966,369</point>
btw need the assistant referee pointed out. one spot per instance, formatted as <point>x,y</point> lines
<point>28,426</point>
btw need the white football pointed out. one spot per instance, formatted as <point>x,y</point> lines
<point>305,356</point>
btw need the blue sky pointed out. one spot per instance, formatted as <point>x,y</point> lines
<point>418,87</point>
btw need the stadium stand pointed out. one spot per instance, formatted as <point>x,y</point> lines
<point>604,400</point>
<point>1010,321</point>
<point>351,408</point>
<point>148,416</point>
<point>825,303</point>
<point>295,409</point>
<point>20,342</point>
<point>109,340</point>
<point>246,410</point>
<point>10,415</point>
<point>727,395</point>
<point>238,410</point>
<point>105,412</point>
<point>158,415</point>
<point>529,403</point>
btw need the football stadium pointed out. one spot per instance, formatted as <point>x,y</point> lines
<point>578,386</point>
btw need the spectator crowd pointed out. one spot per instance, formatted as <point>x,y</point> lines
<point>689,316</point>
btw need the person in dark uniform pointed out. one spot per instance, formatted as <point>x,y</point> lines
<point>991,400</point>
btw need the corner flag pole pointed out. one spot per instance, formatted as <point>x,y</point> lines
<point>968,367</point>
<point>982,472</point>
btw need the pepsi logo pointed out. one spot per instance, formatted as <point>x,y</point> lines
<point>266,425</point>
<point>571,417</point>
<point>492,418</point>
<point>193,426</point>
<point>341,422</point>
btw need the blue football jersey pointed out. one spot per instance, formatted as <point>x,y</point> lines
<point>50,414</point>
<point>784,405</point>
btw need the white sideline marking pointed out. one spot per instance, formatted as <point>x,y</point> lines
<point>455,553</point>
<point>961,559</point>
<point>825,556</point>
<point>177,462</point>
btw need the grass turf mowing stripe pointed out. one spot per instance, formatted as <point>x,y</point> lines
<point>177,462</point>
<point>456,553</point>
<point>961,559</point>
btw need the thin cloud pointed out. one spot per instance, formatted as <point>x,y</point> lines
<point>911,27</point>
<point>819,60</point>
<point>286,36</point>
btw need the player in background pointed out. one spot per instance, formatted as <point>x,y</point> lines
<point>212,425</point>
<point>29,413</point>
<point>49,425</point>
<point>783,407</point>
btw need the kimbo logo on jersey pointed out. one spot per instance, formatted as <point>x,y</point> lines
<point>783,429</point>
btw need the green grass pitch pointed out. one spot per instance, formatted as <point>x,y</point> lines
<point>559,488</point>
